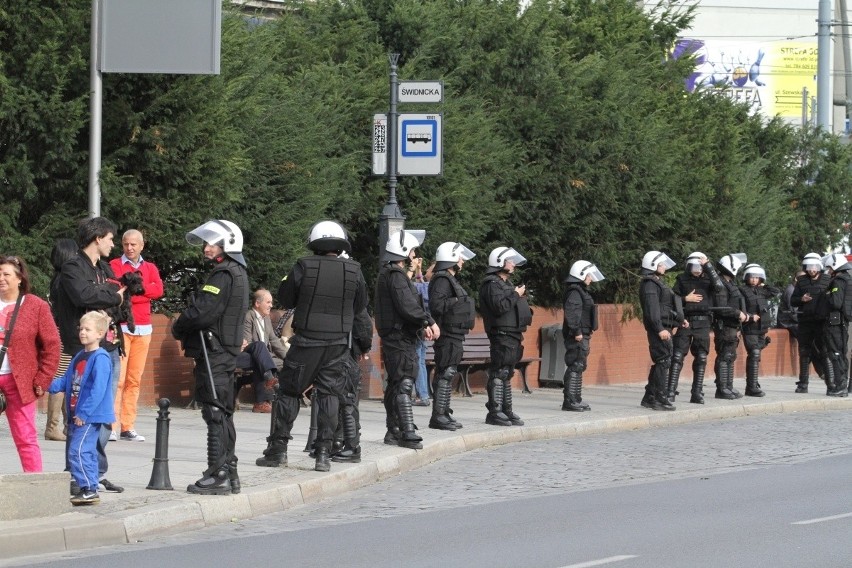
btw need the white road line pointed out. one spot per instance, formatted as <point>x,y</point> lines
<point>601,561</point>
<point>822,519</point>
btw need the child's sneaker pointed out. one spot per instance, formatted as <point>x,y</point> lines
<point>86,497</point>
<point>113,436</point>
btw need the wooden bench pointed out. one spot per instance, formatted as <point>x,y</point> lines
<point>476,357</point>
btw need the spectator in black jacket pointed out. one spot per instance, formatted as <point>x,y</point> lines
<point>86,283</point>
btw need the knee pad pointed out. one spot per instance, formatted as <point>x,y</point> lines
<point>212,414</point>
<point>755,354</point>
<point>701,357</point>
<point>577,367</point>
<point>449,373</point>
<point>677,357</point>
<point>406,386</point>
<point>504,373</point>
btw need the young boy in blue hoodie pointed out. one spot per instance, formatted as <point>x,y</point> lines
<point>89,400</point>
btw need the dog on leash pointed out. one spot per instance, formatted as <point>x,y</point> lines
<point>123,314</point>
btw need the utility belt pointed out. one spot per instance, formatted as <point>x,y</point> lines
<point>699,317</point>
<point>836,318</point>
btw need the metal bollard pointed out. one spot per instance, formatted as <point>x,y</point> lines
<point>312,433</point>
<point>160,472</point>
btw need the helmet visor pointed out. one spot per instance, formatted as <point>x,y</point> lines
<point>514,256</point>
<point>418,234</point>
<point>209,232</point>
<point>463,252</point>
<point>665,261</point>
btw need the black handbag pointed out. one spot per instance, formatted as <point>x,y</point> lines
<point>5,347</point>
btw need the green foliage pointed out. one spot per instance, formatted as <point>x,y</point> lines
<point>567,134</point>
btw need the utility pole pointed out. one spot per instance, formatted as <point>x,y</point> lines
<point>391,219</point>
<point>824,95</point>
<point>95,109</point>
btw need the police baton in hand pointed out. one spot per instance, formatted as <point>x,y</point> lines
<point>207,364</point>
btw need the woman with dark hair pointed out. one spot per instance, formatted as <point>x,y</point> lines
<point>63,250</point>
<point>31,345</point>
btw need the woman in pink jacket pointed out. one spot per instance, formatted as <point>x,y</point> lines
<point>32,356</point>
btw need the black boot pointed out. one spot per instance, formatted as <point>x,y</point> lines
<point>569,391</point>
<point>273,456</point>
<point>752,370</point>
<point>217,483</point>
<point>441,403</point>
<point>351,450</point>
<point>514,419</point>
<point>495,414</point>
<point>323,463</point>
<point>835,384</point>
<point>661,388</point>
<point>408,431</point>
<point>698,370</point>
<point>723,381</point>
<point>393,435</point>
<point>804,375</point>
<point>674,378</point>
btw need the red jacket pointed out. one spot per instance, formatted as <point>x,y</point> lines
<point>34,349</point>
<point>141,305</point>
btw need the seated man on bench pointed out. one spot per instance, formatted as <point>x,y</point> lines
<point>263,352</point>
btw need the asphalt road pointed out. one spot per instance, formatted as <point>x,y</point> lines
<point>769,491</point>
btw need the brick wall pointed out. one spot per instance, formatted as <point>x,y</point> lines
<point>619,355</point>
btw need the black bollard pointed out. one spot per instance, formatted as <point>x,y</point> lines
<point>312,433</point>
<point>160,473</point>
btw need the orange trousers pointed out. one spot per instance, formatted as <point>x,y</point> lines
<point>132,366</point>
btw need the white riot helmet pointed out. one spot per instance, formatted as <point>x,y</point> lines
<point>220,232</point>
<point>812,261</point>
<point>401,243</point>
<point>499,256</point>
<point>695,259</point>
<point>449,253</point>
<point>836,262</point>
<point>731,263</point>
<point>655,258</point>
<point>328,236</point>
<point>754,270</point>
<point>581,269</point>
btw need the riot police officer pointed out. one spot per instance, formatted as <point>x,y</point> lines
<point>730,314</point>
<point>838,298</point>
<point>808,299</point>
<point>211,331</point>
<point>580,320</point>
<point>506,314</point>
<point>454,312</point>
<point>756,295</point>
<point>326,291</point>
<point>695,286</point>
<point>659,316</point>
<point>400,319</point>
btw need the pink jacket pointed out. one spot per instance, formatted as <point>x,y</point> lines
<point>141,305</point>
<point>34,348</point>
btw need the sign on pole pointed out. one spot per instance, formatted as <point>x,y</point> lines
<point>420,91</point>
<point>380,144</point>
<point>419,145</point>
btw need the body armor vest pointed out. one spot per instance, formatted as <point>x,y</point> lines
<point>732,299</point>
<point>668,308</point>
<point>325,306</point>
<point>841,281</point>
<point>460,316</point>
<point>515,319</point>
<point>756,302</point>
<point>589,311</point>
<point>387,317</point>
<point>229,327</point>
<point>814,310</point>
<point>685,284</point>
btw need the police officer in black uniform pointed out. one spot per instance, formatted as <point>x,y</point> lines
<point>838,297</point>
<point>580,320</point>
<point>695,286</point>
<point>659,316</point>
<point>454,312</point>
<point>756,295</point>
<point>327,291</point>
<point>211,331</point>
<point>808,299</point>
<point>400,319</point>
<point>729,315</point>
<point>506,314</point>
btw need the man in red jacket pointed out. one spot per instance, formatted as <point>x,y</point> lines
<point>136,342</point>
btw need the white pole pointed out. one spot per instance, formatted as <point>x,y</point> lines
<point>95,107</point>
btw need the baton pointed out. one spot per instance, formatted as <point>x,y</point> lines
<point>207,363</point>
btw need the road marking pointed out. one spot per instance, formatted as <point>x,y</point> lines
<point>822,519</point>
<point>601,561</point>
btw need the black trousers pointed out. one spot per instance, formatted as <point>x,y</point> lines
<point>214,389</point>
<point>506,350</point>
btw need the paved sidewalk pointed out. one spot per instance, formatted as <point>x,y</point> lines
<point>141,513</point>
